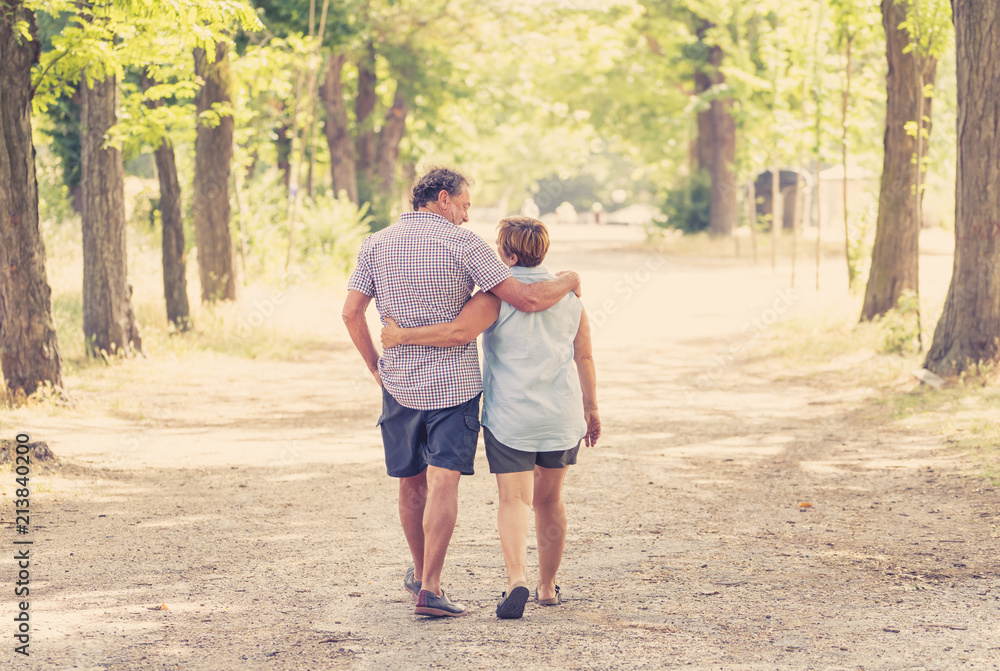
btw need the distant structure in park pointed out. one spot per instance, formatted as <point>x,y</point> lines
<point>862,185</point>
<point>788,189</point>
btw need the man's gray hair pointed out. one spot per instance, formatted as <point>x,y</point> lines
<point>427,188</point>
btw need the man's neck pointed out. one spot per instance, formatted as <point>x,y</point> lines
<point>432,210</point>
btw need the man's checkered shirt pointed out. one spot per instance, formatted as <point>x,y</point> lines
<point>421,271</point>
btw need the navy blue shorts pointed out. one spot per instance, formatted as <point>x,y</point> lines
<point>416,439</point>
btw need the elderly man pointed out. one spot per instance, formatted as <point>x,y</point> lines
<point>421,271</point>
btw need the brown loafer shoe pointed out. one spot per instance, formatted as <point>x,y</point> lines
<point>412,586</point>
<point>429,603</point>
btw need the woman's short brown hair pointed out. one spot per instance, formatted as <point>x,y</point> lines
<point>525,238</point>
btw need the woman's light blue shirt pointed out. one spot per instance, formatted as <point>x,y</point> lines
<point>532,400</point>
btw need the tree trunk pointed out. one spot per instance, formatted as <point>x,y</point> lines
<point>174,261</point>
<point>108,322</point>
<point>723,209</point>
<point>213,156</point>
<point>895,254</point>
<point>29,348</point>
<point>703,80</point>
<point>968,332</point>
<point>389,138</point>
<point>706,135</point>
<point>283,145</point>
<point>775,212</point>
<point>716,146</point>
<point>338,137</point>
<point>364,105</point>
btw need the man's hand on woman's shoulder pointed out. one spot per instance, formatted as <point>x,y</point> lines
<point>578,287</point>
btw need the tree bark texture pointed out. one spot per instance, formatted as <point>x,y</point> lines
<point>716,145</point>
<point>895,255</point>
<point>338,137</point>
<point>29,349</point>
<point>389,138</point>
<point>108,322</point>
<point>213,158</point>
<point>722,214</point>
<point>174,261</point>
<point>364,105</point>
<point>703,81</point>
<point>968,332</point>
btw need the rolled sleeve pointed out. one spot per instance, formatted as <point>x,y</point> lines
<point>483,265</point>
<point>361,279</point>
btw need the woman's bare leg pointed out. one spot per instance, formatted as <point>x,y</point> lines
<point>512,519</point>
<point>550,526</point>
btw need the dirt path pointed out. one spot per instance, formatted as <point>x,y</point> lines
<point>249,497</point>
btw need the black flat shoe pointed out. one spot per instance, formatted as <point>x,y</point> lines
<point>512,605</point>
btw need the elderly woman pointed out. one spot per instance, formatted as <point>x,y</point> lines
<point>537,405</point>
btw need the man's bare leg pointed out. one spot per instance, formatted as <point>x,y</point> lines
<point>512,520</point>
<point>412,500</point>
<point>550,526</point>
<point>440,513</point>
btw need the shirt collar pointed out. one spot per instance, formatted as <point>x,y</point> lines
<point>523,272</point>
<point>414,215</point>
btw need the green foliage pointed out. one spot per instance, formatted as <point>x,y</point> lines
<point>518,94</point>
<point>264,87</point>
<point>54,169</point>
<point>54,206</point>
<point>328,232</point>
<point>332,231</point>
<point>929,25</point>
<point>106,39</point>
<point>23,31</point>
<point>64,132</point>
<point>687,204</point>
<point>900,327</point>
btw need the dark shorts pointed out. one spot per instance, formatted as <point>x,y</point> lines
<point>505,459</point>
<point>416,439</point>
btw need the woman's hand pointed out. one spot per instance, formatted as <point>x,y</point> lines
<point>391,334</point>
<point>593,426</point>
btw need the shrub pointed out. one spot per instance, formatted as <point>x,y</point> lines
<point>900,327</point>
<point>688,204</point>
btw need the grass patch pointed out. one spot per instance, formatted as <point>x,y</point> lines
<point>254,326</point>
<point>833,349</point>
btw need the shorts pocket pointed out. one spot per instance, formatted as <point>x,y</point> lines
<point>471,432</point>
